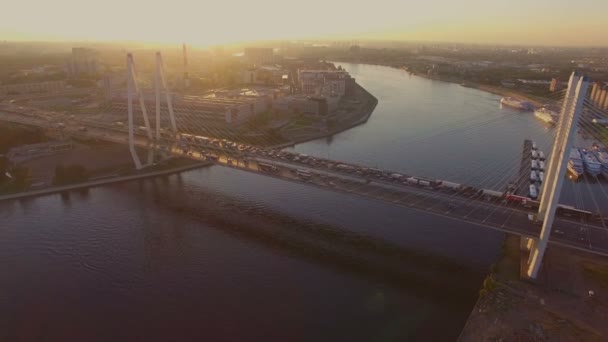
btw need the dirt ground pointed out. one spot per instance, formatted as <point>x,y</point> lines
<point>558,307</point>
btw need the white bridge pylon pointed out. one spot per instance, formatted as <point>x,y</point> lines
<point>556,171</point>
<point>160,86</point>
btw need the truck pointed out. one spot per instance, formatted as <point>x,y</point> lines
<point>418,181</point>
<point>450,185</point>
<point>491,193</point>
<point>267,167</point>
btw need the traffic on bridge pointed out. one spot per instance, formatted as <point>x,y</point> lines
<point>500,210</point>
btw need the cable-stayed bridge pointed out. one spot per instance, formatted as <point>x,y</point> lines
<point>499,209</point>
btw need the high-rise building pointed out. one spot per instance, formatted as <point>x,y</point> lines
<point>595,91</point>
<point>84,61</point>
<point>186,78</point>
<point>554,84</point>
<point>602,98</point>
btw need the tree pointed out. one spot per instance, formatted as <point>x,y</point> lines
<point>3,165</point>
<point>70,174</point>
<point>20,175</point>
<point>18,180</point>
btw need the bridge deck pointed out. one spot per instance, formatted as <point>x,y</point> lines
<point>462,206</point>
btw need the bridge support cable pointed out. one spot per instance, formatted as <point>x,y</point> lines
<point>597,133</point>
<point>157,98</point>
<point>487,177</point>
<point>160,76</point>
<point>573,104</point>
<point>560,134</point>
<point>133,89</point>
<point>595,202</point>
<point>266,139</point>
<point>495,178</point>
<point>160,86</point>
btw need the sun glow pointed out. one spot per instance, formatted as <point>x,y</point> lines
<point>209,23</point>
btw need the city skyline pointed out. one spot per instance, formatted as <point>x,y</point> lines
<point>543,22</point>
<point>271,170</point>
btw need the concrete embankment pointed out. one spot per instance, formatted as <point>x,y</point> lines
<point>100,182</point>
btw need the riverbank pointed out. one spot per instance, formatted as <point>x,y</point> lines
<point>143,174</point>
<point>501,91</point>
<point>568,302</point>
<point>538,102</point>
<point>359,117</point>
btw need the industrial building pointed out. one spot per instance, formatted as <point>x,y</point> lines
<point>311,105</point>
<point>219,110</point>
<point>267,75</point>
<point>326,82</point>
<point>321,92</point>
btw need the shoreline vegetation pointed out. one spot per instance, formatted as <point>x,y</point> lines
<point>176,167</point>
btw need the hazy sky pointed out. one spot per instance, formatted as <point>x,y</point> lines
<point>205,22</point>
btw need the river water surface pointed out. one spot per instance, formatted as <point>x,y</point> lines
<point>220,255</point>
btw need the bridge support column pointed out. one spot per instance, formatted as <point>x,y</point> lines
<point>556,171</point>
<point>131,86</point>
<point>160,85</point>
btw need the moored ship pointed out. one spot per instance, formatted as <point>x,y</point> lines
<point>546,115</point>
<point>516,103</point>
<point>602,157</point>
<point>592,165</point>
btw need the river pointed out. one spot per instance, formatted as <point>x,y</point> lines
<point>220,255</point>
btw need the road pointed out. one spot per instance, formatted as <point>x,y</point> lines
<point>484,211</point>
